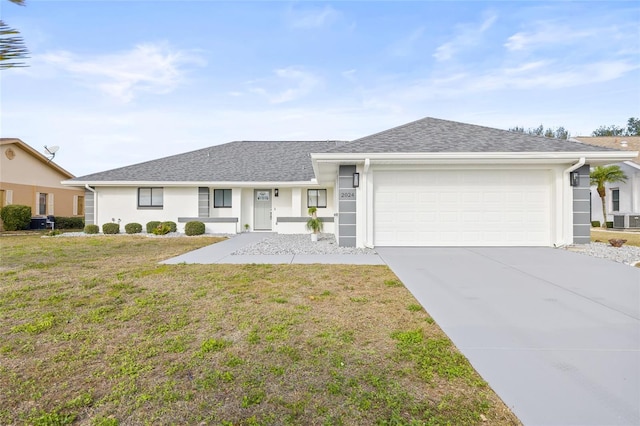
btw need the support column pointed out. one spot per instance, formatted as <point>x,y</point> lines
<point>346,207</point>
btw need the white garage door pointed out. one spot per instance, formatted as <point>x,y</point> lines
<point>462,208</point>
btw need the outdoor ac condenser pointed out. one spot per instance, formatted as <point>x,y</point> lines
<point>621,221</point>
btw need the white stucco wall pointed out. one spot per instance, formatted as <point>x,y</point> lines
<point>629,195</point>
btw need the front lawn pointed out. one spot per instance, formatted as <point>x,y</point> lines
<point>633,238</point>
<point>94,331</point>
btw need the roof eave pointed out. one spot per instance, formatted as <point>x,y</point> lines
<point>229,184</point>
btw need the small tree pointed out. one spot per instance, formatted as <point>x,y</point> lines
<point>602,175</point>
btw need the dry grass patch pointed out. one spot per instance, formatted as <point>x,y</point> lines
<point>599,235</point>
<point>96,332</point>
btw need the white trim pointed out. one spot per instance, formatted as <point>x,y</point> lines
<point>75,205</point>
<point>472,156</point>
<point>50,205</point>
<point>8,193</point>
<point>229,184</point>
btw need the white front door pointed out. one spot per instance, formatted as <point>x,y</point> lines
<point>262,209</point>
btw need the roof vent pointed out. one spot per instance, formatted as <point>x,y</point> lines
<point>624,144</point>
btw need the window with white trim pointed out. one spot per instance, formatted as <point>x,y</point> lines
<point>151,197</point>
<point>221,198</point>
<point>317,198</point>
<point>615,200</point>
<point>42,204</point>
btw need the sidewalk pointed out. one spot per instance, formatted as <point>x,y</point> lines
<point>221,253</point>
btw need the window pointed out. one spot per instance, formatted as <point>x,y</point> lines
<point>317,198</point>
<point>42,204</point>
<point>221,198</point>
<point>615,200</point>
<point>78,206</point>
<point>150,197</point>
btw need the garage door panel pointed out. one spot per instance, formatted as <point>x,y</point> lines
<point>472,207</point>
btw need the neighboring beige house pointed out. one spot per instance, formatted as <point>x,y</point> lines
<point>623,198</point>
<point>27,177</point>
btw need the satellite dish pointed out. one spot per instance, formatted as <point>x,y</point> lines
<point>51,151</point>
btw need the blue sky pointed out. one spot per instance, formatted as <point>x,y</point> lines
<point>119,82</point>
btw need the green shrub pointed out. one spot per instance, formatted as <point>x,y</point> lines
<point>16,217</point>
<point>162,229</point>
<point>595,223</point>
<point>194,228</point>
<point>609,224</point>
<point>172,225</point>
<point>133,228</point>
<point>73,222</point>
<point>152,225</point>
<point>111,228</point>
<point>91,229</point>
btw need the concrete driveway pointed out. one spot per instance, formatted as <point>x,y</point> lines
<point>556,334</point>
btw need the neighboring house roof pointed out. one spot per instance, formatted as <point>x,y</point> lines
<point>614,142</point>
<point>241,161</point>
<point>435,135</point>
<point>36,154</point>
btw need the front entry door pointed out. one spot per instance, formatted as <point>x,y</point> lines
<point>262,209</point>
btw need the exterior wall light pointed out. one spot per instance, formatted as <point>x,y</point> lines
<point>356,180</point>
<point>275,192</point>
<point>574,178</point>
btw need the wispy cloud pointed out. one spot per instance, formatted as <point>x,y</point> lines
<point>287,84</point>
<point>405,46</point>
<point>312,18</point>
<point>467,35</point>
<point>147,68</point>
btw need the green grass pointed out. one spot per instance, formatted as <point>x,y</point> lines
<point>96,332</point>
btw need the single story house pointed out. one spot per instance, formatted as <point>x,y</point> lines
<point>29,178</point>
<point>430,182</point>
<point>622,201</point>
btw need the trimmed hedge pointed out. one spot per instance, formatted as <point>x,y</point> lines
<point>16,217</point>
<point>133,228</point>
<point>194,228</point>
<point>91,229</point>
<point>595,223</point>
<point>73,222</point>
<point>152,225</point>
<point>609,224</point>
<point>111,228</point>
<point>172,225</point>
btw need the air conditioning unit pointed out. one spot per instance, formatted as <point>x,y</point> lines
<point>622,221</point>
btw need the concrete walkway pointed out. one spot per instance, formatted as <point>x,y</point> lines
<point>221,253</point>
<point>556,334</point>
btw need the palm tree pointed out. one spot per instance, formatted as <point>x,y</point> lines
<point>12,47</point>
<point>602,175</point>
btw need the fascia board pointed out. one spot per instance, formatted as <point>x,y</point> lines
<point>632,164</point>
<point>474,156</point>
<point>191,184</point>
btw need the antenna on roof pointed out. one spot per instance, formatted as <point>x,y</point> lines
<point>51,151</point>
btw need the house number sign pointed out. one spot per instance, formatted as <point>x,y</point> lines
<point>262,195</point>
<point>347,194</point>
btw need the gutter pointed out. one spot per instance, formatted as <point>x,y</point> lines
<point>95,203</point>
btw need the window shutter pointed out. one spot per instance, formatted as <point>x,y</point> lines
<point>75,205</point>
<point>50,205</point>
<point>37,212</point>
<point>9,195</point>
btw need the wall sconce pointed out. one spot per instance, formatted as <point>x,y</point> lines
<point>356,180</point>
<point>275,192</point>
<point>574,178</point>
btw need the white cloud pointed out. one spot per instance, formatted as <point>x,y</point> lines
<point>467,36</point>
<point>147,68</point>
<point>405,46</point>
<point>312,18</point>
<point>289,84</point>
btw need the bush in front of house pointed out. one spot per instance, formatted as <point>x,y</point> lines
<point>595,223</point>
<point>72,222</point>
<point>150,226</point>
<point>16,217</point>
<point>162,229</point>
<point>91,229</point>
<point>111,228</point>
<point>609,224</point>
<point>194,228</point>
<point>133,228</point>
<point>172,225</point>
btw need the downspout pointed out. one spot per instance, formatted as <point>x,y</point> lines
<point>95,203</point>
<point>368,190</point>
<point>569,213</point>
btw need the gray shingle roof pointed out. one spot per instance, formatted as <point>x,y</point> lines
<point>242,161</point>
<point>435,135</point>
